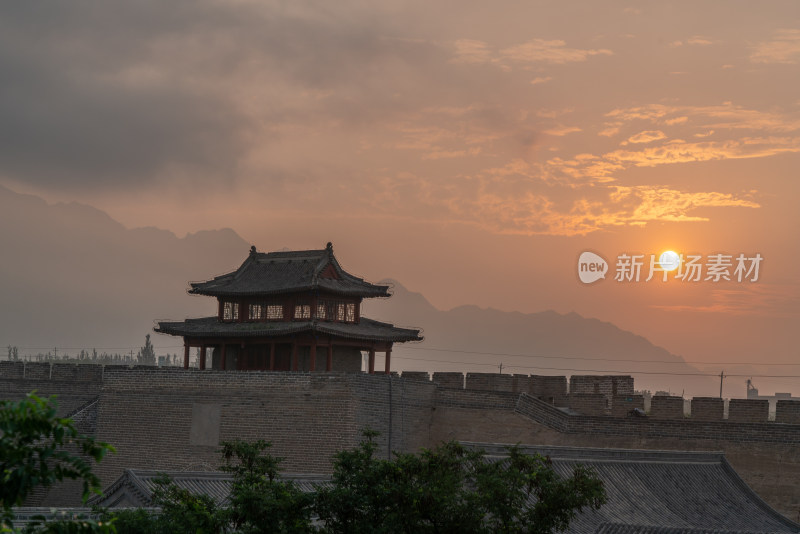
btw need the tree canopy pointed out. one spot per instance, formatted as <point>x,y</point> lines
<point>37,448</point>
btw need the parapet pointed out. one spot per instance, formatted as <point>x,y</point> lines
<point>787,411</point>
<point>664,407</point>
<point>416,375</point>
<point>708,409</point>
<point>748,410</point>
<point>588,403</point>
<point>449,380</point>
<point>623,404</point>
<point>72,372</point>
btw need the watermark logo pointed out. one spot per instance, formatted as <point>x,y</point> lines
<point>690,268</point>
<point>591,267</point>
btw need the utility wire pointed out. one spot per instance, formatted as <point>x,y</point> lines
<point>594,370</point>
<point>582,357</point>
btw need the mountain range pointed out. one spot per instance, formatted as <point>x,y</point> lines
<point>73,278</point>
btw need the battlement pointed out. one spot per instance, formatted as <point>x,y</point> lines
<point>595,395</point>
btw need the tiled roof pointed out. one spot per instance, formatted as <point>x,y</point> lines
<point>616,528</point>
<point>274,273</point>
<point>649,492</point>
<point>366,329</point>
<point>659,492</point>
<point>134,489</point>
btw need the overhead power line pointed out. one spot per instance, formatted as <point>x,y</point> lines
<point>591,370</point>
<point>519,355</point>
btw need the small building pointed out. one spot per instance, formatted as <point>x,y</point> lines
<point>288,311</point>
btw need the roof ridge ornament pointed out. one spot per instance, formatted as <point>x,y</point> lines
<point>252,250</point>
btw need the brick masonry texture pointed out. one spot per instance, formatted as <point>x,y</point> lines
<point>664,407</point>
<point>788,411</point>
<point>588,403</point>
<point>707,409</point>
<point>147,414</point>
<point>623,404</point>
<point>748,410</point>
<point>449,380</point>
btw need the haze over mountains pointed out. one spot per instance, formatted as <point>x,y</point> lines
<point>73,278</point>
<point>546,343</point>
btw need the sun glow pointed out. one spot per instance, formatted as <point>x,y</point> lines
<point>669,260</point>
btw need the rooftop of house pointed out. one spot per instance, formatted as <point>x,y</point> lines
<point>275,273</point>
<point>365,330</point>
<point>654,492</point>
<point>659,492</point>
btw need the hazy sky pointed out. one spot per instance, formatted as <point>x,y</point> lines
<point>471,150</point>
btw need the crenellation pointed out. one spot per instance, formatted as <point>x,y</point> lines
<point>787,411</point>
<point>449,380</point>
<point>417,375</point>
<point>589,403</point>
<point>748,410</point>
<point>707,409</point>
<point>622,405</point>
<point>666,407</point>
<point>151,414</point>
<point>490,382</point>
<point>608,385</point>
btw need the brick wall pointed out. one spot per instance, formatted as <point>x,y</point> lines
<point>665,407</point>
<point>748,410</point>
<point>74,385</point>
<point>551,389</point>
<point>151,416</point>
<point>788,411</point>
<point>608,385</point>
<point>416,375</point>
<point>588,403</point>
<point>622,404</point>
<point>490,381</point>
<point>449,380</point>
<point>707,409</point>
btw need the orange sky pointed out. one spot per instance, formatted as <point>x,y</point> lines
<point>470,150</point>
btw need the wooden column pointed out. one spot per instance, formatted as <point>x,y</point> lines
<point>312,366</point>
<point>186,355</point>
<point>329,364</point>
<point>224,364</point>
<point>371,361</point>
<point>272,356</point>
<point>388,359</point>
<point>294,356</point>
<point>202,358</point>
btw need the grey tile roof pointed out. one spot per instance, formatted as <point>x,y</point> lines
<point>616,528</point>
<point>274,273</point>
<point>676,491</point>
<point>649,492</point>
<point>134,488</point>
<point>365,330</point>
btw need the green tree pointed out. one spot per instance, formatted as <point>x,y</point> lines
<point>451,489</point>
<point>37,448</point>
<point>260,501</point>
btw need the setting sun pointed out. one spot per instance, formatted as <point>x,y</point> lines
<point>669,260</point>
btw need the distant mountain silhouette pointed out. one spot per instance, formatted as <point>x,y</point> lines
<point>548,343</point>
<point>72,277</point>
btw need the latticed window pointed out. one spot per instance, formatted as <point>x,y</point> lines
<point>336,310</point>
<point>274,312</point>
<point>256,312</point>
<point>302,311</point>
<point>230,311</point>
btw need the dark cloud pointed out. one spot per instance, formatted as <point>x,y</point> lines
<point>107,94</point>
<point>70,114</point>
